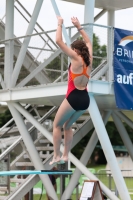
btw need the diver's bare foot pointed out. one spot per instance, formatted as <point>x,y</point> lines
<point>55,161</point>
<point>63,159</point>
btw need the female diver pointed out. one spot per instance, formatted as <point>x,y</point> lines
<point>77,99</point>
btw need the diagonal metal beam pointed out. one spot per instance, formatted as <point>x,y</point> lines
<point>31,181</point>
<point>107,148</point>
<point>73,159</point>
<point>123,133</point>
<point>100,14</point>
<point>39,68</point>
<point>124,118</point>
<point>63,27</point>
<point>88,174</point>
<point>44,64</point>
<point>41,120</point>
<point>99,71</point>
<point>23,49</point>
<point>32,151</point>
<point>9,122</point>
<point>84,159</point>
<point>28,61</point>
<point>36,24</point>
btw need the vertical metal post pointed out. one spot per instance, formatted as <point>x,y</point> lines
<point>23,49</point>
<point>32,151</point>
<point>89,16</point>
<point>107,148</point>
<point>84,159</point>
<point>9,46</point>
<point>124,135</point>
<point>111,16</point>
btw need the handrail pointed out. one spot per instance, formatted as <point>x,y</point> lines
<point>36,24</point>
<point>50,31</point>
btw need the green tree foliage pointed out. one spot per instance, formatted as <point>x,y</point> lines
<point>114,135</point>
<point>98,51</point>
<point>5,117</point>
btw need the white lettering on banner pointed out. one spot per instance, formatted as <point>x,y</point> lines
<point>126,61</point>
<point>119,51</point>
<point>124,52</point>
<point>123,79</point>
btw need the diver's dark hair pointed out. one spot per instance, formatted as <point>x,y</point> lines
<point>82,50</point>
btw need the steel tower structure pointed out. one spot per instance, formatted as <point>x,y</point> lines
<point>45,91</point>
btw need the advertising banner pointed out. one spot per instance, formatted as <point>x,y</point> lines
<point>123,68</point>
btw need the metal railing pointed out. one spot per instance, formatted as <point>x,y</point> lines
<point>53,63</point>
<point>43,51</point>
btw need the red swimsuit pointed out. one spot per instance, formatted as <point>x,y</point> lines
<point>78,99</point>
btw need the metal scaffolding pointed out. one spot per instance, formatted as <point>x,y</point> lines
<point>39,86</point>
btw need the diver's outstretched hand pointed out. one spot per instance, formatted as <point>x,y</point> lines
<point>75,22</point>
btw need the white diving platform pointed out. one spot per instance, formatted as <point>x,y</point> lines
<point>107,4</point>
<point>52,94</point>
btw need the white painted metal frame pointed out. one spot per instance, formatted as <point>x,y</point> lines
<point>16,108</point>
<point>124,118</point>
<point>107,148</point>
<point>111,16</point>
<point>23,49</point>
<point>72,158</point>
<point>89,17</point>
<point>123,133</point>
<point>9,46</point>
<point>32,151</point>
<point>63,27</point>
<point>84,159</point>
